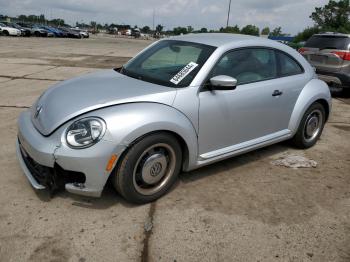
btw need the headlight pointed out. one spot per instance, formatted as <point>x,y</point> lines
<point>85,132</point>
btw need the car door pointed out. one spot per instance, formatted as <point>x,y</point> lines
<point>258,109</point>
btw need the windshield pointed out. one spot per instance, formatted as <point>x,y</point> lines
<point>328,42</point>
<point>169,63</point>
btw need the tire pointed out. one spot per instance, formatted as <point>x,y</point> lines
<point>310,127</point>
<point>345,92</point>
<point>37,34</point>
<point>148,169</point>
<point>6,33</point>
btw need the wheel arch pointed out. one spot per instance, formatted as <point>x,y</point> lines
<point>183,144</point>
<point>143,119</point>
<point>325,105</point>
<point>314,91</point>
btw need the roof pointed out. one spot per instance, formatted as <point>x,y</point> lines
<point>332,34</point>
<point>215,39</point>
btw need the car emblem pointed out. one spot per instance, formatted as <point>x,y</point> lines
<point>38,111</point>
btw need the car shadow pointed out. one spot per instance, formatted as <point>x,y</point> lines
<point>108,198</point>
<point>111,198</point>
<point>234,162</point>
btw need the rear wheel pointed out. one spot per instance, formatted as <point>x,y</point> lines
<point>149,168</point>
<point>310,127</point>
<point>346,92</point>
<point>6,33</point>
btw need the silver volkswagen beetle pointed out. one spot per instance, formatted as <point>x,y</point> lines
<point>182,103</point>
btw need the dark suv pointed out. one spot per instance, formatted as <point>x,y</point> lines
<point>329,53</point>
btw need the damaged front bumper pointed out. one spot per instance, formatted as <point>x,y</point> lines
<point>49,163</point>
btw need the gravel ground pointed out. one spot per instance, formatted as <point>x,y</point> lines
<point>242,209</point>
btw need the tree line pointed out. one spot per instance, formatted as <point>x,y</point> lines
<point>333,17</point>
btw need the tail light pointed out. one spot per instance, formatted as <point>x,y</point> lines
<point>303,50</point>
<point>345,55</point>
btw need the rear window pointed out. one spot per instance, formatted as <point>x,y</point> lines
<point>328,42</point>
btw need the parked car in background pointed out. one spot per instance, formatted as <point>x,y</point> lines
<point>35,29</point>
<point>9,31</point>
<point>62,32</point>
<point>84,33</point>
<point>71,33</point>
<point>329,54</point>
<point>182,103</point>
<point>127,32</point>
<point>25,31</point>
<point>135,32</point>
<point>54,31</point>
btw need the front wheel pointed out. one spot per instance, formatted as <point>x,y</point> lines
<point>149,168</point>
<point>310,127</point>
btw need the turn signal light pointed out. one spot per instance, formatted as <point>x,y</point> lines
<point>111,162</point>
<point>303,50</point>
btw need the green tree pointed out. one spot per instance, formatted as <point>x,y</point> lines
<point>265,31</point>
<point>22,18</point>
<point>146,29</point>
<point>277,32</point>
<point>56,22</point>
<point>230,29</point>
<point>306,34</point>
<point>334,16</point>
<point>203,30</point>
<point>93,24</point>
<point>180,30</point>
<point>250,30</point>
<point>42,18</point>
<point>190,29</point>
<point>159,28</point>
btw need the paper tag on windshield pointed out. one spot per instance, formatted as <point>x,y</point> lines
<point>183,73</point>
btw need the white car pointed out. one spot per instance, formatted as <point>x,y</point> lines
<point>5,30</point>
<point>84,34</point>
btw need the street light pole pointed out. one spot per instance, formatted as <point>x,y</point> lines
<point>153,19</point>
<point>228,13</point>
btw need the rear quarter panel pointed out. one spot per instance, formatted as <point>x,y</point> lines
<point>314,90</point>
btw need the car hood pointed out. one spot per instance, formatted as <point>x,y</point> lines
<point>77,96</point>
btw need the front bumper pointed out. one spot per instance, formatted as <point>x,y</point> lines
<point>25,167</point>
<point>49,163</point>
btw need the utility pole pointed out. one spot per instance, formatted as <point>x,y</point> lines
<point>228,13</point>
<point>153,20</point>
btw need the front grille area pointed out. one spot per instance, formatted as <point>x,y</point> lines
<point>39,172</point>
<point>53,179</point>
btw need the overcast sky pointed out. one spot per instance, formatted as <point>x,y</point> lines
<point>292,15</point>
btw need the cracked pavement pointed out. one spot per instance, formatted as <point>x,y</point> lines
<point>240,209</point>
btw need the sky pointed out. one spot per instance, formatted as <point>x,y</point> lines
<point>291,15</point>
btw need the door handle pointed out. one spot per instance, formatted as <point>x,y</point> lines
<point>277,93</point>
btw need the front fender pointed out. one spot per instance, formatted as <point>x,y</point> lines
<point>128,122</point>
<point>314,90</point>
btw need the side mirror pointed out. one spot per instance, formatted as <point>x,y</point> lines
<point>223,82</point>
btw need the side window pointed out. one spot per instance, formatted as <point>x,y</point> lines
<point>288,66</point>
<point>247,65</point>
